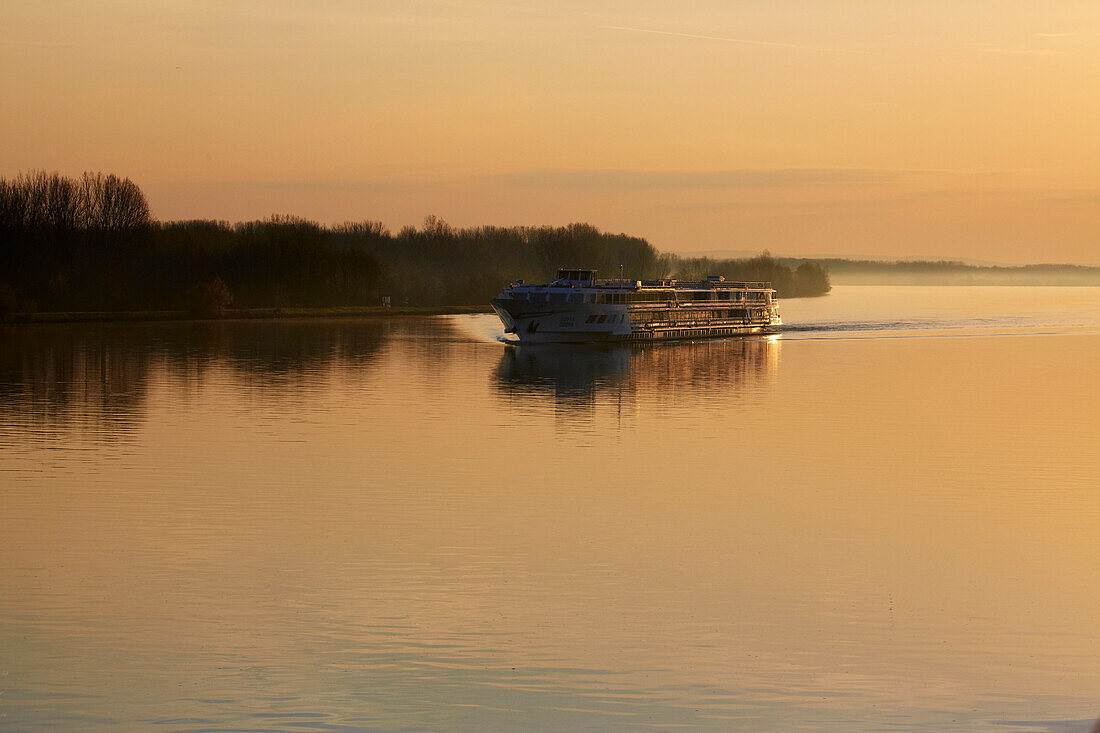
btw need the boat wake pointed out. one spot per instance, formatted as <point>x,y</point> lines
<point>841,326</point>
<point>929,328</point>
<point>484,327</point>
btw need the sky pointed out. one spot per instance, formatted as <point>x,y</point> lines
<point>932,128</point>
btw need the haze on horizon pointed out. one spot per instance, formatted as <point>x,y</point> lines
<point>874,127</point>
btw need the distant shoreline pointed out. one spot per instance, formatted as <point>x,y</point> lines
<point>855,283</point>
<point>872,272</point>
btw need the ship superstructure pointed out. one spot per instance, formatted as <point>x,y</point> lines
<point>578,307</point>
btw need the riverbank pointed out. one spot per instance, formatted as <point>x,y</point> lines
<point>243,314</point>
<point>246,314</point>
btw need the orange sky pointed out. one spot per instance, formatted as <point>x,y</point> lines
<point>869,127</point>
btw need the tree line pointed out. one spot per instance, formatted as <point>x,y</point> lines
<point>91,244</point>
<point>795,279</point>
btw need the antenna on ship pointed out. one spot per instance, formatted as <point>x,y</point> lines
<point>620,271</point>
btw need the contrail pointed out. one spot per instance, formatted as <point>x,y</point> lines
<point>745,41</point>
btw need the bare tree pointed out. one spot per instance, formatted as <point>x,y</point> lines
<point>112,204</point>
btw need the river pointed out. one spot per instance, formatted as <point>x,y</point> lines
<point>884,518</point>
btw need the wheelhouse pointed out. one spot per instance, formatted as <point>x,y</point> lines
<point>576,276</point>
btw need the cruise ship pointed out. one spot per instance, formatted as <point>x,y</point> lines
<point>576,307</point>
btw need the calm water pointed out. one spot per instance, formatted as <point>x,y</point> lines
<point>885,519</point>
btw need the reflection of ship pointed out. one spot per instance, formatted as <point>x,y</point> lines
<point>576,307</point>
<point>570,375</point>
<point>577,375</point>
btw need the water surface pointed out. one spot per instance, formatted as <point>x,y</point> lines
<point>883,519</point>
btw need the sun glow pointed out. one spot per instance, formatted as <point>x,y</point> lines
<point>926,129</point>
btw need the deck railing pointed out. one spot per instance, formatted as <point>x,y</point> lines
<point>655,284</point>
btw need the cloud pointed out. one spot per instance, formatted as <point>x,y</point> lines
<point>714,179</point>
<point>1020,51</point>
<point>744,41</point>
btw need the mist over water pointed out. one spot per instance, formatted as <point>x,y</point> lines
<point>943,310</point>
<point>863,523</point>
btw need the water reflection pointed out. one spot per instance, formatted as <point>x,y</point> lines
<point>402,524</point>
<point>576,376</point>
<point>48,377</point>
<point>96,378</point>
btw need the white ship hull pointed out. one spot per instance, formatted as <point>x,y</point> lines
<point>548,316</point>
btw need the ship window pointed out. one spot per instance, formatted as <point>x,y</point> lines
<point>590,319</point>
<point>601,319</point>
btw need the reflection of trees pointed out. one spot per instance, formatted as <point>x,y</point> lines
<point>97,377</point>
<point>577,375</point>
<point>292,348</point>
<point>46,380</point>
